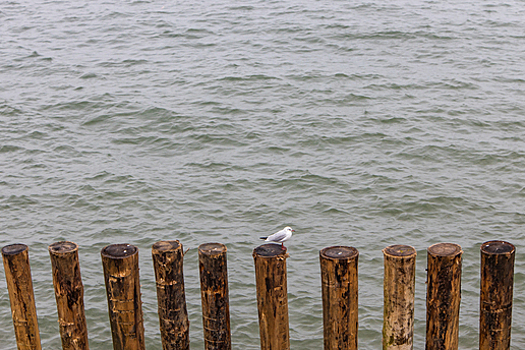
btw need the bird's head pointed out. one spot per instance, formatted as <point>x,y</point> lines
<point>289,229</point>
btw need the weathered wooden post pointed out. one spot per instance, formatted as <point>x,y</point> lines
<point>399,287</point>
<point>497,282</point>
<point>69,294</point>
<point>173,315</point>
<point>272,296</point>
<point>339,290</point>
<point>121,274</point>
<point>443,296</point>
<point>214,294</point>
<point>21,296</point>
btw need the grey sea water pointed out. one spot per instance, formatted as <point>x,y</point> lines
<point>358,123</point>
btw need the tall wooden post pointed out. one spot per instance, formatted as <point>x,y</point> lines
<point>339,289</point>
<point>443,296</point>
<point>69,294</point>
<point>399,287</point>
<point>214,294</point>
<point>21,296</point>
<point>173,315</point>
<point>121,274</point>
<point>497,283</point>
<point>272,296</point>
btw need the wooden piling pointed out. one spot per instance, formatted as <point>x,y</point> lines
<point>214,295</point>
<point>69,294</point>
<point>21,296</point>
<point>497,282</point>
<point>443,296</point>
<point>339,290</point>
<point>173,315</point>
<point>399,287</point>
<point>272,296</point>
<point>121,274</point>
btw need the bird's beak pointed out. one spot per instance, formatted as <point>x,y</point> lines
<point>293,230</point>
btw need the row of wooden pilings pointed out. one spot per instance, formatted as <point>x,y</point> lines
<point>339,276</point>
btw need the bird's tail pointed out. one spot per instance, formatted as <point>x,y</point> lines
<point>263,237</point>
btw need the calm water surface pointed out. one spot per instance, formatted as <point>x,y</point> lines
<point>357,123</point>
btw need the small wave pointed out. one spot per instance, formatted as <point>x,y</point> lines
<point>20,201</point>
<point>254,77</point>
<point>88,76</point>
<point>10,148</point>
<point>97,120</point>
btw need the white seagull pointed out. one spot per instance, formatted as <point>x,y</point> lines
<point>279,237</point>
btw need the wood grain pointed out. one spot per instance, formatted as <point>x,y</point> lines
<point>69,295</point>
<point>340,294</point>
<point>173,315</point>
<point>399,287</point>
<point>443,296</point>
<point>121,275</point>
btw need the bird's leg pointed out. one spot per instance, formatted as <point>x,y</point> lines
<point>282,245</point>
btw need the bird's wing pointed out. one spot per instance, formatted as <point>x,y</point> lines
<point>278,236</point>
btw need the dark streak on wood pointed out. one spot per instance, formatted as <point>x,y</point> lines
<point>340,295</point>
<point>443,296</point>
<point>69,294</point>
<point>21,296</point>
<point>121,275</point>
<point>272,296</point>
<point>173,315</point>
<point>214,294</point>
<point>399,288</point>
<point>496,294</point>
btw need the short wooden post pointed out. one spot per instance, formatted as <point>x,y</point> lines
<point>214,294</point>
<point>443,296</point>
<point>21,296</point>
<point>173,315</point>
<point>497,282</point>
<point>399,287</point>
<point>121,274</point>
<point>272,296</point>
<point>339,290</point>
<point>69,294</point>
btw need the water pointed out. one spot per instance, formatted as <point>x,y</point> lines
<point>356,123</point>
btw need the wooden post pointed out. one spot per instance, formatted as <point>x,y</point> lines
<point>497,282</point>
<point>69,294</point>
<point>272,296</point>
<point>399,286</point>
<point>121,274</point>
<point>214,294</point>
<point>443,296</point>
<point>21,296</point>
<point>173,315</point>
<point>339,289</point>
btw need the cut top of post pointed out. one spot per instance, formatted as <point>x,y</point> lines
<point>444,249</point>
<point>118,251</point>
<point>14,249</point>
<point>399,251</point>
<point>212,249</point>
<point>339,253</point>
<point>497,248</point>
<point>165,246</point>
<point>63,247</point>
<point>269,250</point>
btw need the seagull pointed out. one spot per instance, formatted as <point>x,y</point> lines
<point>279,237</point>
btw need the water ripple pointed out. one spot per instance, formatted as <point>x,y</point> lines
<point>210,121</point>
